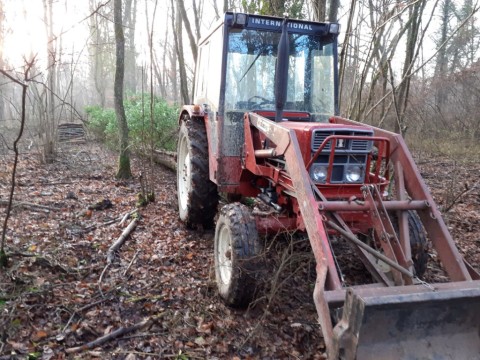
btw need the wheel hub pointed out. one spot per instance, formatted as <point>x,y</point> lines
<point>224,255</point>
<point>184,174</point>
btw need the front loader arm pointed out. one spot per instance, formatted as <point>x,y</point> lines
<point>409,184</point>
<point>287,146</point>
<point>378,321</point>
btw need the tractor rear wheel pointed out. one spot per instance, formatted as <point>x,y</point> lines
<point>237,255</point>
<point>197,195</point>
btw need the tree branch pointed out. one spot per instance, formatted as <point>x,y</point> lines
<point>114,334</point>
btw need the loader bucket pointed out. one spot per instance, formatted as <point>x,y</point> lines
<point>411,322</point>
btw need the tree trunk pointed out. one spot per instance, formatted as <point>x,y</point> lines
<point>23,84</point>
<point>345,50</point>
<point>124,171</point>
<point>320,9</point>
<point>95,49</point>
<point>276,7</point>
<point>130,19</point>
<point>333,10</point>
<point>188,28</point>
<point>415,19</point>
<point>441,65</point>
<point>48,128</point>
<point>177,36</point>
<point>2,63</point>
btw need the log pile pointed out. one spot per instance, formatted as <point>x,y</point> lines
<point>71,132</point>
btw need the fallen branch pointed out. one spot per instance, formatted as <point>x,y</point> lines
<point>117,244</point>
<point>114,248</point>
<point>131,263</point>
<point>113,335</point>
<point>125,218</point>
<point>83,308</point>
<point>462,194</point>
<point>110,222</point>
<point>29,205</point>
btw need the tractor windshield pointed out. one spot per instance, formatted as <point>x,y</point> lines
<point>250,74</point>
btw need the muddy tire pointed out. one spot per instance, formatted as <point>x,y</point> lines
<point>418,242</point>
<point>237,255</point>
<point>197,195</point>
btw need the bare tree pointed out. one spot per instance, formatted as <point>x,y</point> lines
<point>129,22</point>
<point>2,63</point>
<point>320,10</point>
<point>176,19</point>
<point>124,171</point>
<point>378,92</point>
<point>48,128</point>
<point>411,53</point>
<point>23,84</point>
<point>441,65</point>
<point>333,10</point>
<point>101,51</point>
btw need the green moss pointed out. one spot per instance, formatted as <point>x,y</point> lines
<point>3,259</point>
<point>124,171</point>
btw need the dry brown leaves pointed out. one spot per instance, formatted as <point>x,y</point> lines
<point>51,299</point>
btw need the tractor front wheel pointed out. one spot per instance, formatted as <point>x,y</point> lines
<point>418,241</point>
<point>197,195</point>
<point>237,255</point>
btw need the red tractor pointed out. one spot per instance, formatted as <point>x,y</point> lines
<point>265,127</point>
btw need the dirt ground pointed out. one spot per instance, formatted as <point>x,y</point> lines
<point>157,299</point>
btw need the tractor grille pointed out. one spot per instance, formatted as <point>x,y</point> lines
<point>348,145</point>
<point>349,153</point>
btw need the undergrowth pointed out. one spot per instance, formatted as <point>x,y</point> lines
<point>451,146</point>
<point>162,133</point>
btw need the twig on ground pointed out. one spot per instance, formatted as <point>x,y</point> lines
<point>114,248</point>
<point>454,201</point>
<point>101,278</point>
<point>43,261</point>
<point>29,205</point>
<point>131,263</point>
<point>117,244</point>
<point>110,222</point>
<point>114,334</point>
<point>82,309</point>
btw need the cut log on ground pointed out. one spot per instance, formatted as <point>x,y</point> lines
<point>166,158</point>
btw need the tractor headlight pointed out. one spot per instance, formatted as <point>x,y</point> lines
<point>353,174</point>
<point>319,173</point>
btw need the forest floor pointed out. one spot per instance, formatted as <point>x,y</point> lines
<point>157,299</point>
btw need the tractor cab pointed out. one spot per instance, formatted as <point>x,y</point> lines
<point>238,72</point>
<point>252,54</point>
<point>244,79</point>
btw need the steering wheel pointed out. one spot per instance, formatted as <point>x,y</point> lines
<point>264,101</point>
